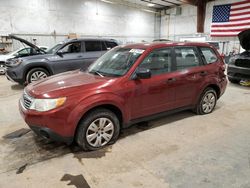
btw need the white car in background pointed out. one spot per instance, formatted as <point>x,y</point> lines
<point>21,52</point>
<point>29,50</point>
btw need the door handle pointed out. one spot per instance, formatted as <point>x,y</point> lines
<point>203,73</point>
<point>79,56</point>
<point>170,80</point>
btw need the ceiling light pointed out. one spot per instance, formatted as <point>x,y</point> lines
<point>106,1</point>
<point>150,5</point>
<point>149,11</point>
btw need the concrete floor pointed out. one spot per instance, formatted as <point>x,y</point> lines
<point>180,151</point>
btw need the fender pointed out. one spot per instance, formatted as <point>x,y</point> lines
<point>210,81</point>
<point>93,101</point>
<point>32,65</point>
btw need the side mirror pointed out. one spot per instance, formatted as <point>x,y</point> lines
<point>143,73</point>
<point>60,53</point>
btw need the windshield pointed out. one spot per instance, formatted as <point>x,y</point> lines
<point>116,62</point>
<point>54,48</point>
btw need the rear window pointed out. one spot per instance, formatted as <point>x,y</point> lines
<point>110,44</point>
<point>93,46</point>
<point>186,57</point>
<point>209,55</point>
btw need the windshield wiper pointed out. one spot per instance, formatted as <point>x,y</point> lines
<point>97,73</point>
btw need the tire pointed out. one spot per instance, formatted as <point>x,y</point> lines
<point>235,81</point>
<point>207,102</point>
<point>36,74</point>
<point>94,124</point>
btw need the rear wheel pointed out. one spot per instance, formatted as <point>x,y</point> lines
<point>207,102</point>
<point>99,128</point>
<point>235,81</point>
<point>36,74</point>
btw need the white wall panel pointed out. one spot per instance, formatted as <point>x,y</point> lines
<point>39,18</point>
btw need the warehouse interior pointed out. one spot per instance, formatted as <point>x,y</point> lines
<point>178,150</point>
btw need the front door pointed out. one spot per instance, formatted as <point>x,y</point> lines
<point>70,58</point>
<point>156,94</point>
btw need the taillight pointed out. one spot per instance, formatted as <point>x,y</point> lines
<point>224,67</point>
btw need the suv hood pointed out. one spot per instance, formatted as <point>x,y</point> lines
<point>27,43</point>
<point>244,37</point>
<point>66,84</point>
<point>38,57</point>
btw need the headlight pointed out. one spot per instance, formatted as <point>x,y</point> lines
<point>14,62</point>
<point>43,105</point>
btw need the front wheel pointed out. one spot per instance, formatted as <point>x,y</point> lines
<point>206,102</point>
<point>36,74</point>
<point>99,128</point>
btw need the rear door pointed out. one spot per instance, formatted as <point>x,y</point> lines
<point>190,75</point>
<point>93,49</point>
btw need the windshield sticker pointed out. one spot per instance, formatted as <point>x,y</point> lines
<point>138,51</point>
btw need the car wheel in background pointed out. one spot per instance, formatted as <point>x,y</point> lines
<point>3,68</point>
<point>99,128</point>
<point>235,81</point>
<point>206,102</point>
<point>36,74</point>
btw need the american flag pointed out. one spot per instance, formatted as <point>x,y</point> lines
<point>230,19</point>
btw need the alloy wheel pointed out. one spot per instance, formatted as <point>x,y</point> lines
<point>208,102</point>
<point>100,132</point>
<point>38,75</point>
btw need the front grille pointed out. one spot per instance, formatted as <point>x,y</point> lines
<point>243,63</point>
<point>27,100</point>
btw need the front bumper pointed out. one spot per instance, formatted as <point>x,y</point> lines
<point>50,134</point>
<point>238,73</point>
<point>51,124</point>
<point>13,75</point>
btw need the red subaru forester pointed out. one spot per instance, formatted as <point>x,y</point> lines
<point>127,85</point>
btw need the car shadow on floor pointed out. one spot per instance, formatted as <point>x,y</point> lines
<point>26,148</point>
<point>164,121</point>
<point>17,87</point>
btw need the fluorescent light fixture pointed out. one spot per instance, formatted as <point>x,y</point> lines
<point>151,11</point>
<point>106,1</point>
<point>150,5</point>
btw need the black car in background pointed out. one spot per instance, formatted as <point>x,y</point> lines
<point>70,55</point>
<point>239,65</point>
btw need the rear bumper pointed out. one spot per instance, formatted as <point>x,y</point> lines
<point>223,85</point>
<point>239,73</point>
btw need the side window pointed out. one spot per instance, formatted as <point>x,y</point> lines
<point>209,55</point>
<point>186,57</point>
<point>110,44</point>
<point>158,61</point>
<point>93,46</point>
<point>24,51</point>
<point>72,48</point>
